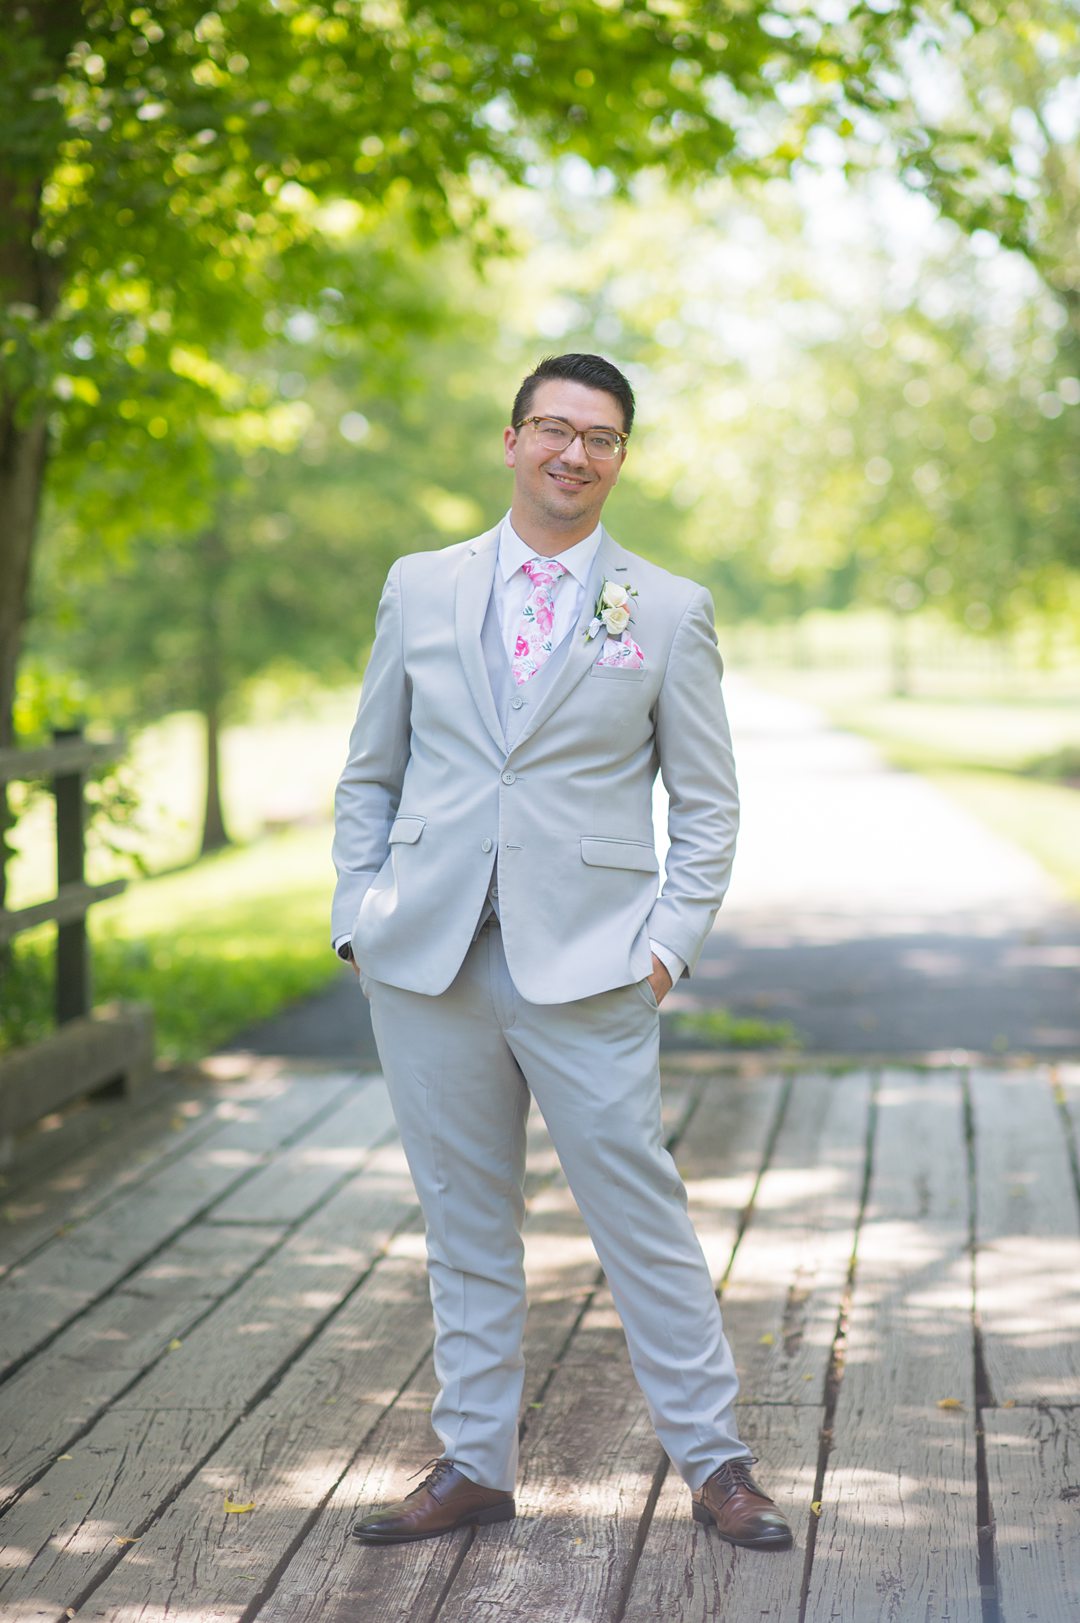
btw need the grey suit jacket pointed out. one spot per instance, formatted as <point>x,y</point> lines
<point>431,799</point>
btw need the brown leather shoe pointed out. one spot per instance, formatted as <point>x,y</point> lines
<point>732,1502</point>
<point>446,1499</point>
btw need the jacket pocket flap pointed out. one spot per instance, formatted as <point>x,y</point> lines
<point>619,854</point>
<point>406,830</point>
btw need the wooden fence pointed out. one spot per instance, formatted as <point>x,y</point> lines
<point>91,1048</point>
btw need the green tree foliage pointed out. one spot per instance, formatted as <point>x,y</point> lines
<point>989,129</point>
<point>176,181</point>
<point>837,417</point>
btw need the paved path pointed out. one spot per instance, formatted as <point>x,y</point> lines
<point>873,913</point>
<point>867,909</point>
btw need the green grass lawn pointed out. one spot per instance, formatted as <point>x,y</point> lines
<point>278,768</point>
<point>221,943</point>
<point>212,949</point>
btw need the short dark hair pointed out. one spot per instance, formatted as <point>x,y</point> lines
<point>591,370</point>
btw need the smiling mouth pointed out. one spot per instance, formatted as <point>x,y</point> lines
<point>568,481</point>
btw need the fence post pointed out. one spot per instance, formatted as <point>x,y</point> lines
<point>72,958</point>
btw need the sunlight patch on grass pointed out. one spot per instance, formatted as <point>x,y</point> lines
<point>212,949</point>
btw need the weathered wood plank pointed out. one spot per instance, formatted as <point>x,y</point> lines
<point>1027,1260</point>
<point>687,1574</point>
<point>896,1536</point>
<point>72,901</point>
<point>1033,1471</point>
<point>285,1457</point>
<point>54,1397</point>
<point>253,1334</point>
<point>113,1044</point>
<point>117,1145</point>
<point>304,1173</point>
<point>378,1339</point>
<point>64,756</point>
<point>67,1527</point>
<point>586,1478</point>
<point>331,1577</point>
<point>720,1156</point>
<point>40,1296</point>
<point>99,1149</point>
<point>591,1457</point>
<point>782,1298</point>
<point>238,1352</point>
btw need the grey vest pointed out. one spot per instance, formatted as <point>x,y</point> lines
<point>512,703</point>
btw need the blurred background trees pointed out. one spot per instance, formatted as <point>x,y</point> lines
<point>269,274</point>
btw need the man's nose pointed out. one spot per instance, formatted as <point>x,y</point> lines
<point>575,452</point>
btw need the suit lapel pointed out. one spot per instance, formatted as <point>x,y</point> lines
<point>609,564</point>
<point>470,606</point>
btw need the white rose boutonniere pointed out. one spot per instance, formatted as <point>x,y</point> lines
<point>612,610</point>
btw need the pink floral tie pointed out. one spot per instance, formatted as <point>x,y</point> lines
<point>533,644</point>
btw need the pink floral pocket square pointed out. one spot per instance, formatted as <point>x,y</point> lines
<point>622,653</point>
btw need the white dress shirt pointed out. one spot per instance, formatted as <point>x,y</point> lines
<point>511,588</point>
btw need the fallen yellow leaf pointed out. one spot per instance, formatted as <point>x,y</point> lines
<point>816,1507</point>
<point>175,1345</point>
<point>63,1456</point>
<point>949,1403</point>
<point>120,1540</point>
<point>767,1339</point>
<point>238,1509</point>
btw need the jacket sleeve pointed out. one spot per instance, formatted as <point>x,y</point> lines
<point>369,789</point>
<point>698,769</point>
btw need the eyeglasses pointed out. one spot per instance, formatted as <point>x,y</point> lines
<point>601,444</point>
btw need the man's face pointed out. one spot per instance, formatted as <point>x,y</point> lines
<point>564,490</point>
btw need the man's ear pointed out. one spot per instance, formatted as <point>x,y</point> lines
<point>509,446</point>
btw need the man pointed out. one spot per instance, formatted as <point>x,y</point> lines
<point>497,893</point>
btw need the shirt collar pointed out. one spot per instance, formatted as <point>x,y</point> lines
<point>577,560</point>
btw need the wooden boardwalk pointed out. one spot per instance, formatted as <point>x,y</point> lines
<point>221,1300</point>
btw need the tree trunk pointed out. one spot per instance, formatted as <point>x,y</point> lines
<point>215,835</point>
<point>32,279</point>
<point>901,657</point>
<point>22,475</point>
<point>213,559</point>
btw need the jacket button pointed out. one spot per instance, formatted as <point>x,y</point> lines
<point>516,704</point>
<point>485,845</point>
<point>509,777</point>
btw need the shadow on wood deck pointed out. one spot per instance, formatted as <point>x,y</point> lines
<point>223,1297</point>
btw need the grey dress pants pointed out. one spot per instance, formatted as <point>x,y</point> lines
<point>460,1068</point>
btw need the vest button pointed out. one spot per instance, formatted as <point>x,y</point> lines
<point>516,704</point>
<point>509,777</point>
<point>485,845</point>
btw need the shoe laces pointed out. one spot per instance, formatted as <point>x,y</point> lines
<point>435,1468</point>
<point>733,1476</point>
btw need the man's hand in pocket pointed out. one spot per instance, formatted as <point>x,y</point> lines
<point>659,980</point>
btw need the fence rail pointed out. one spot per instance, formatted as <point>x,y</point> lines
<point>89,1049</point>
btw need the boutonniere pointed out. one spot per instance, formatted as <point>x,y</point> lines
<point>612,610</point>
